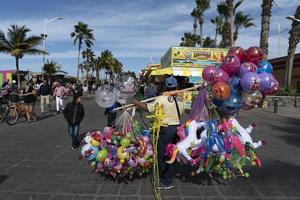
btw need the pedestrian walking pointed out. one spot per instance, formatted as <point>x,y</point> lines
<point>74,114</point>
<point>85,91</point>
<point>45,91</point>
<point>59,93</point>
<point>29,101</point>
<point>173,109</point>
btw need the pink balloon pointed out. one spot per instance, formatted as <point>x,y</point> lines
<point>209,73</point>
<point>222,76</point>
<point>231,64</point>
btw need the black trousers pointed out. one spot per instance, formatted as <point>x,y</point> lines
<point>167,135</point>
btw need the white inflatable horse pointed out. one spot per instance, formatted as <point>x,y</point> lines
<point>244,133</point>
<point>191,140</point>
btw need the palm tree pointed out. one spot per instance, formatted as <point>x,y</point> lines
<point>17,43</point>
<point>218,22</point>
<point>241,21</point>
<point>265,25</point>
<point>87,55</point>
<point>202,6</point>
<point>97,66</point>
<point>194,14</point>
<point>50,68</point>
<point>189,40</point>
<point>82,34</point>
<point>293,41</point>
<point>208,42</point>
<point>228,10</point>
<point>106,61</point>
<point>117,67</point>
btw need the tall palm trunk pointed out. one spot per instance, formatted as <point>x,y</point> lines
<point>18,71</point>
<point>216,35</point>
<point>201,22</point>
<point>78,59</point>
<point>195,25</point>
<point>293,41</point>
<point>265,25</point>
<point>97,75</point>
<point>229,20</point>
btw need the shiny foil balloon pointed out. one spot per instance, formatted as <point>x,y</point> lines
<point>239,52</point>
<point>252,98</point>
<point>265,80</point>
<point>233,104</point>
<point>264,66</point>
<point>254,54</point>
<point>231,64</point>
<point>221,76</point>
<point>250,81</point>
<point>220,91</point>
<point>235,85</point>
<point>209,73</point>
<point>274,85</point>
<point>105,96</point>
<point>247,67</point>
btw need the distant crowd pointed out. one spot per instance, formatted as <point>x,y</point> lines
<point>27,94</point>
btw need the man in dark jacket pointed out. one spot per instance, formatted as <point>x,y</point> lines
<point>45,91</point>
<point>74,113</point>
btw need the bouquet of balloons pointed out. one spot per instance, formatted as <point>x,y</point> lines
<point>212,139</point>
<point>113,153</point>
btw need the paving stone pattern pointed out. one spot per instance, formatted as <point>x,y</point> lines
<point>37,163</point>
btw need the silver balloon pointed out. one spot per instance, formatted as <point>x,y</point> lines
<point>252,98</point>
<point>121,98</point>
<point>105,96</point>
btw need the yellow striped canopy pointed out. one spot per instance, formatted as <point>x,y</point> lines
<point>178,71</point>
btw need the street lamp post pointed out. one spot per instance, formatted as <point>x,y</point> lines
<point>44,33</point>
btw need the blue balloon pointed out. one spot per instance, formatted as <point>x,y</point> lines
<point>233,104</point>
<point>264,66</point>
<point>234,84</point>
<point>217,102</point>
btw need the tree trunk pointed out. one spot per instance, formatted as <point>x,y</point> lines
<point>216,35</point>
<point>78,59</point>
<point>293,41</point>
<point>235,35</point>
<point>229,24</point>
<point>195,25</point>
<point>97,74</point>
<point>201,22</point>
<point>265,25</point>
<point>18,72</point>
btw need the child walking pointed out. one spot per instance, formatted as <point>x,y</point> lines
<point>74,113</point>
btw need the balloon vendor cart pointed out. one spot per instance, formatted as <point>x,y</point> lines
<point>212,140</point>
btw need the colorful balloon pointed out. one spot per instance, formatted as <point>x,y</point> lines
<point>220,91</point>
<point>221,76</point>
<point>264,66</point>
<point>235,85</point>
<point>102,155</point>
<point>239,52</point>
<point>209,73</point>
<point>273,87</point>
<point>254,54</point>
<point>231,64</point>
<point>250,81</point>
<point>251,99</point>
<point>233,104</point>
<point>125,142</point>
<point>265,80</point>
<point>123,154</point>
<point>247,67</point>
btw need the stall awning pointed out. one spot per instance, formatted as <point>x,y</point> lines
<point>178,71</point>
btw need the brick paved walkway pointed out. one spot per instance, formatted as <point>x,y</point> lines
<point>37,163</point>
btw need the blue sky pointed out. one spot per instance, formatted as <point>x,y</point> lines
<point>134,30</point>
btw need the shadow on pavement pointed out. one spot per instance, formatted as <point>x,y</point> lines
<point>291,129</point>
<point>3,178</point>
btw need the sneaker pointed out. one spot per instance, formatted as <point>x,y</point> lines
<point>164,186</point>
